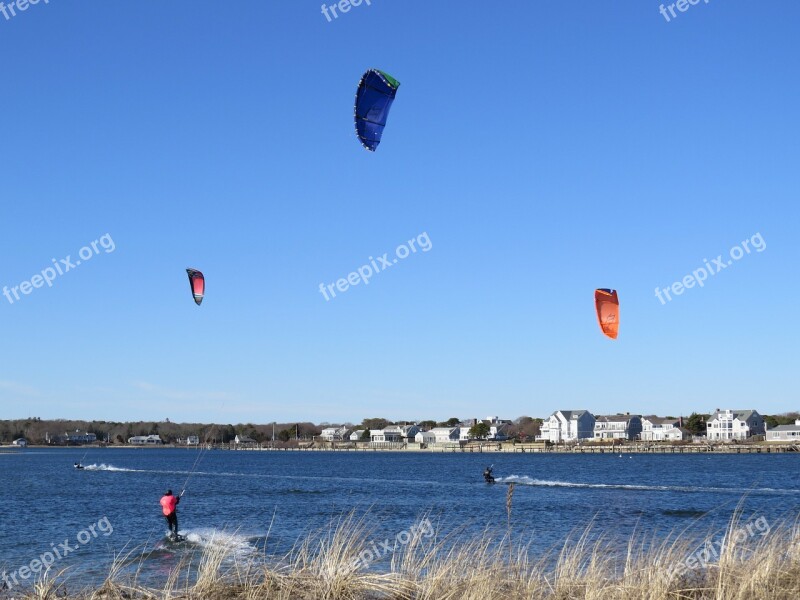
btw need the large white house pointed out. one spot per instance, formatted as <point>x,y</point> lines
<point>656,429</point>
<point>395,433</point>
<point>334,434</point>
<point>439,435</point>
<point>568,426</point>
<point>660,429</point>
<point>734,425</point>
<point>617,427</point>
<point>21,442</point>
<point>785,433</point>
<point>145,440</point>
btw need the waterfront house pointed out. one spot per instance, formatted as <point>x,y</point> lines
<point>392,433</point>
<point>409,432</point>
<point>425,437</point>
<point>659,429</point>
<point>498,428</point>
<point>734,425</point>
<point>145,440</point>
<point>446,435</point>
<point>784,433</point>
<point>79,437</point>
<point>438,435</point>
<point>678,434</point>
<point>243,440</point>
<point>617,427</point>
<point>334,434</point>
<point>356,435</point>
<point>568,426</point>
<point>20,442</point>
<point>192,440</point>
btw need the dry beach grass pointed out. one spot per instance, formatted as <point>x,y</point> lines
<point>326,566</point>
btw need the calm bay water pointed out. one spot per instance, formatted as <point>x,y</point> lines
<point>239,498</point>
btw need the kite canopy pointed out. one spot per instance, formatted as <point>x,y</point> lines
<point>607,304</point>
<point>198,285</point>
<point>376,92</point>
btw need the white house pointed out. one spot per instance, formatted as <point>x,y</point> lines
<point>677,434</point>
<point>425,437</point>
<point>392,433</point>
<point>785,433</point>
<point>657,429</point>
<point>192,440</point>
<point>498,428</point>
<point>734,425</point>
<point>409,432</point>
<point>446,435</point>
<point>243,440</point>
<point>145,440</point>
<point>21,442</point>
<point>395,433</point>
<point>438,435</point>
<point>617,427</point>
<point>356,435</point>
<point>334,434</point>
<point>568,426</point>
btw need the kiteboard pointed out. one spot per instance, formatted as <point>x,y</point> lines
<point>175,538</point>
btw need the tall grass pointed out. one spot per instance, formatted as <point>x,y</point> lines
<point>459,566</point>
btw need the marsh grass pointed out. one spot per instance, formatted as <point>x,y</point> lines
<point>461,566</point>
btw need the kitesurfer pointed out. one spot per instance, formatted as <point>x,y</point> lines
<point>487,475</point>
<point>78,466</point>
<point>169,505</point>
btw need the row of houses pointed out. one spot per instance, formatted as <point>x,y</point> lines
<point>497,431</point>
<point>723,425</point>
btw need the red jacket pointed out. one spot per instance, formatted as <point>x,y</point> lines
<point>168,504</point>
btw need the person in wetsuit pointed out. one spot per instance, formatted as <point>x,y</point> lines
<point>487,475</point>
<point>169,506</point>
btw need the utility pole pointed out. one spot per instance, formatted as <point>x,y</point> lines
<point>273,435</point>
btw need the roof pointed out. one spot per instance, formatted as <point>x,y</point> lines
<point>662,420</point>
<point>572,414</point>
<point>614,417</point>
<point>785,428</point>
<point>742,414</point>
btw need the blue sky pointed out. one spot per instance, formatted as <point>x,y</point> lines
<point>546,148</point>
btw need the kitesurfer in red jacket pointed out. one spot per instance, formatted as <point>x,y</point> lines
<point>169,504</point>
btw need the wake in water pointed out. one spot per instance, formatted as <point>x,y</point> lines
<point>524,480</point>
<point>105,467</point>
<point>236,546</point>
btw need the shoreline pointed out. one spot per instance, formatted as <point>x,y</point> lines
<point>492,448</point>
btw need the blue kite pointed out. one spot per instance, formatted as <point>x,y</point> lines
<point>376,92</point>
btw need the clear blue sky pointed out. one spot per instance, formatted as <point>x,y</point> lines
<point>547,149</point>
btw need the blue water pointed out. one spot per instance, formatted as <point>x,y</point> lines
<point>238,498</point>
